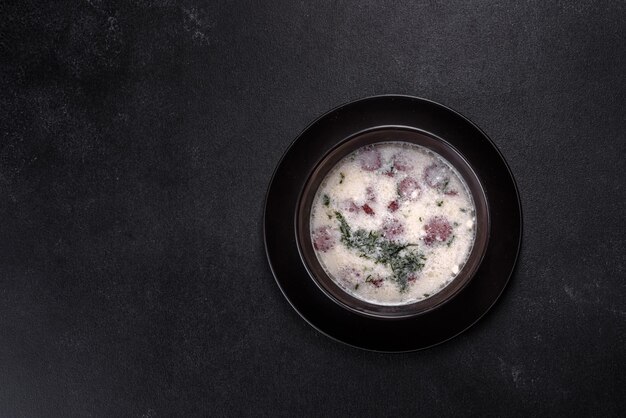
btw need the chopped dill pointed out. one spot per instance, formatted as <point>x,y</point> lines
<point>451,240</point>
<point>371,245</point>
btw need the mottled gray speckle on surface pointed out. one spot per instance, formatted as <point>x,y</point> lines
<point>137,140</point>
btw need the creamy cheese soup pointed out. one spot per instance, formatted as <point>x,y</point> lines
<point>393,223</point>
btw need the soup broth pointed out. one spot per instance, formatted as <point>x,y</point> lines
<point>393,223</point>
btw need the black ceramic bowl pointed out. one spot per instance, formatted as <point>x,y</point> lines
<point>410,327</point>
<point>382,135</point>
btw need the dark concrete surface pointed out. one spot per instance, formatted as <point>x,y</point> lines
<point>137,140</point>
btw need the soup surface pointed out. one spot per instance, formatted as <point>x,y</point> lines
<point>393,223</point>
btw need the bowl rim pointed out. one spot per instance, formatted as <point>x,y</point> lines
<point>394,134</point>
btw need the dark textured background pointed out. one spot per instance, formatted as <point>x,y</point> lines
<point>137,142</point>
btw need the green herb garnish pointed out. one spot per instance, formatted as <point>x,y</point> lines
<point>371,245</point>
<point>439,202</point>
<point>341,177</point>
<point>451,240</point>
<point>444,188</point>
<point>326,200</point>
